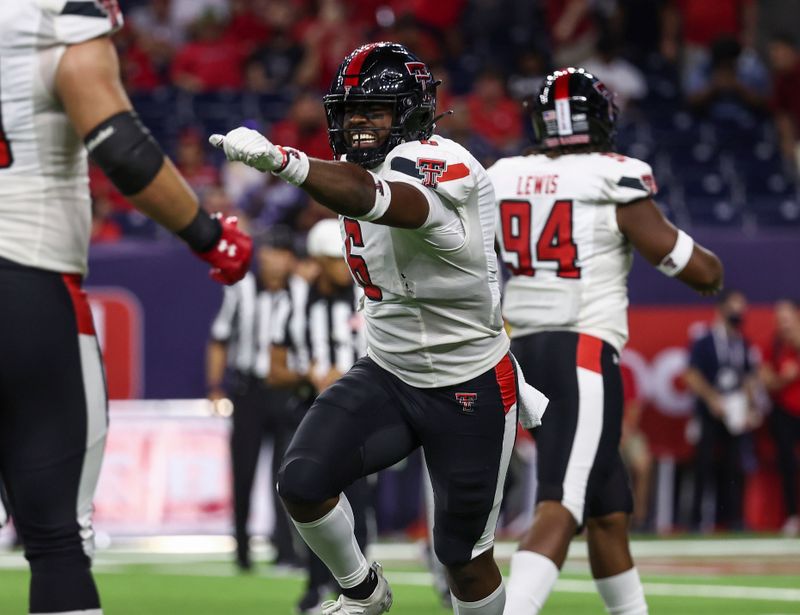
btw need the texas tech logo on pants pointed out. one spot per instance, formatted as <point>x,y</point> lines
<point>467,401</point>
<point>431,170</point>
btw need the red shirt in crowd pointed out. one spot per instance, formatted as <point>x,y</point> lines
<point>216,64</point>
<point>497,121</point>
<point>786,94</point>
<point>779,358</point>
<point>314,143</point>
<point>704,21</point>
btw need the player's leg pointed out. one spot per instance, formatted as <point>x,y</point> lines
<point>566,367</point>
<point>246,437</point>
<point>53,424</point>
<point>610,505</point>
<point>353,429</point>
<point>276,403</point>
<point>468,434</point>
<point>786,431</point>
<point>440,582</point>
<point>704,467</point>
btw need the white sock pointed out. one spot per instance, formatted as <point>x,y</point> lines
<point>491,605</point>
<point>334,542</point>
<point>532,578</point>
<point>623,593</point>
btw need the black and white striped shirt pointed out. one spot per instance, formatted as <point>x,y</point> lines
<point>322,332</point>
<point>246,323</point>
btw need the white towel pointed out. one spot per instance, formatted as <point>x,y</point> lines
<point>531,401</point>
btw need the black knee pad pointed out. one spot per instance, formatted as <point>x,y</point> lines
<point>304,480</point>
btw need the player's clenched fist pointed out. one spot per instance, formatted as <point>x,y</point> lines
<point>255,150</point>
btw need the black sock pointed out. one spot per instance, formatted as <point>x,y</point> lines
<point>363,590</point>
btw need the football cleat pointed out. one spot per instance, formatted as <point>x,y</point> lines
<point>379,602</point>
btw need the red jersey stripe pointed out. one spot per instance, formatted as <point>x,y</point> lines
<point>589,351</point>
<point>83,314</point>
<point>506,380</point>
<point>353,69</point>
<point>454,171</point>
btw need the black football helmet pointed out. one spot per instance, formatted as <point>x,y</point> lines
<point>573,109</point>
<point>382,73</point>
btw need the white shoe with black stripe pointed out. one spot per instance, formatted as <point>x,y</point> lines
<point>380,601</point>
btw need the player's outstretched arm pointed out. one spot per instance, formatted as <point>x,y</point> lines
<point>342,187</point>
<point>88,85</point>
<point>669,249</point>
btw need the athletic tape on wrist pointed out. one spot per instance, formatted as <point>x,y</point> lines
<point>383,198</point>
<point>295,166</point>
<point>674,262</point>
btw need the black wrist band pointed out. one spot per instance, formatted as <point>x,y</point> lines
<point>202,232</point>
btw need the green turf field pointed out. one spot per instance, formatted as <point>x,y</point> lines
<point>198,585</point>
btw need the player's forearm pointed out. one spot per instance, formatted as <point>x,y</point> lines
<point>282,377</point>
<point>342,187</point>
<point>167,199</point>
<point>703,272</point>
<point>216,358</point>
<point>698,385</point>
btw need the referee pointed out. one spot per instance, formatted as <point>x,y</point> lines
<point>238,365</point>
<point>313,347</point>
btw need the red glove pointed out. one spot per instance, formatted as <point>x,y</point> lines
<point>230,256</point>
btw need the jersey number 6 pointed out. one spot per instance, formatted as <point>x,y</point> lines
<point>357,264</point>
<point>554,244</point>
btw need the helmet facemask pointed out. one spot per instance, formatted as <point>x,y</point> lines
<point>412,120</point>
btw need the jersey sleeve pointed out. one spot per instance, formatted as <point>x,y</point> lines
<point>439,169</point>
<point>77,21</point>
<point>628,180</point>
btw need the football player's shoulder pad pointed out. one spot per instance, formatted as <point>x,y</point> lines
<point>439,164</point>
<point>625,179</point>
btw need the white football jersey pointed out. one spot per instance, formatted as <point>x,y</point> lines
<point>432,305</point>
<point>45,209</point>
<point>557,229</point>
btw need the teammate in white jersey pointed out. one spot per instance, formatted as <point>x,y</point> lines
<point>59,90</point>
<point>417,218</point>
<point>568,217</point>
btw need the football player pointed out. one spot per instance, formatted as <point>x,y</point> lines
<point>568,217</point>
<point>60,95</point>
<point>417,219</point>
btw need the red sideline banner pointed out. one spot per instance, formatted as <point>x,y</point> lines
<point>119,323</point>
<point>166,470</point>
<point>658,352</point>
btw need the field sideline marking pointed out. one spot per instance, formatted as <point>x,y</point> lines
<point>676,590</point>
<point>575,586</point>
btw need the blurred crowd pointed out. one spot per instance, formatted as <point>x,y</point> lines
<point>721,72</point>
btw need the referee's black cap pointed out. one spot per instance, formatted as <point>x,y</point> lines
<point>278,237</point>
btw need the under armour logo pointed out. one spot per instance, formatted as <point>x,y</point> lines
<point>227,248</point>
<point>467,401</point>
<point>379,187</point>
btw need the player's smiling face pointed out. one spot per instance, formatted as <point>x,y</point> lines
<point>367,124</point>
